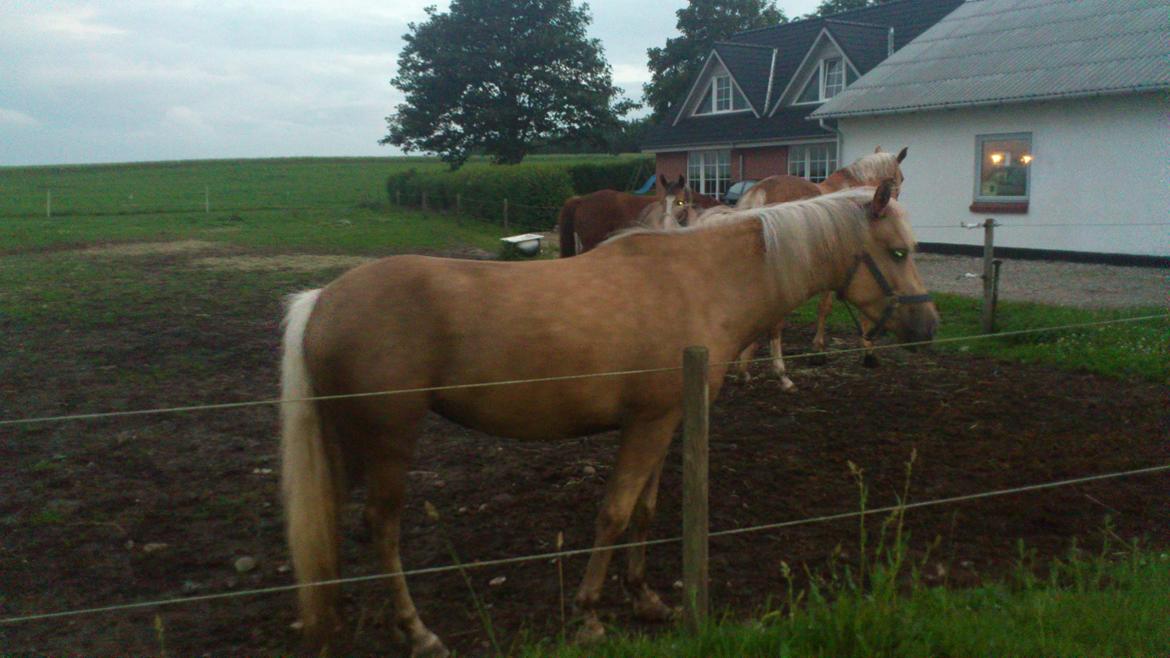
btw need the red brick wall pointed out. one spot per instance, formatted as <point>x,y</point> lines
<point>759,162</point>
<point>671,165</point>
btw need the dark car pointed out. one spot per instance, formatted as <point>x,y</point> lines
<point>736,191</point>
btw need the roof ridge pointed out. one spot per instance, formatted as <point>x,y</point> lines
<point>742,45</point>
<point>857,23</point>
<point>809,19</point>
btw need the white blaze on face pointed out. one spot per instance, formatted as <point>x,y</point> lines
<point>668,218</point>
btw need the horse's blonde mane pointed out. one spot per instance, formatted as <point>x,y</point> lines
<point>873,168</point>
<point>822,232</point>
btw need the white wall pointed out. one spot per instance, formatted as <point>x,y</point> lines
<point>1097,160</point>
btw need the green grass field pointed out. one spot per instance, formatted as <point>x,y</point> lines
<point>1087,606</point>
<point>225,185</point>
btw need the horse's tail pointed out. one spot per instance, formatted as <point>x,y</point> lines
<point>566,223</point>
<point>308,478</point>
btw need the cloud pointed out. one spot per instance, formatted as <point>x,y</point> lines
<point>630,74</point>
<point>15,118</point>
<point>73,22</point>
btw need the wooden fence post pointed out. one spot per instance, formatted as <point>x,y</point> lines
<point>424,199</point>
<point>987,316</point>
<point>398,197</point>
<point>695,519</point>
<point>458,202</point>
<point>505,213</point>
<point>48,203</point>
<point>206,199</point>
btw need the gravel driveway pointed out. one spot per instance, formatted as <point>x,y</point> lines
<point>1051,282</point>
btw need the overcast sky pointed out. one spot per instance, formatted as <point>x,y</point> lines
<point>133,80</point>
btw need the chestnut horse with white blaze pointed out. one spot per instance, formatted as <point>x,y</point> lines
<point>870,169</point>
<point>429,326</point>
<point>586,221</point>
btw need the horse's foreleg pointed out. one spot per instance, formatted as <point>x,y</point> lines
<point>642,448</point>
<point>818,344</point>
<point>386,483</point>
<point>869,360</point>
<point>777,349</point>
<point>647,604</point>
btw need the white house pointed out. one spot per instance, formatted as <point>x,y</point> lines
<point>1050,116</point>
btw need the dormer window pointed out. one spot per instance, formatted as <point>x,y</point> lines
<point>722,96</point>
<point>826,82</point>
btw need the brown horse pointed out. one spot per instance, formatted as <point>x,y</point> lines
<point>586,221</point>
<point>407,323</point>
<point>871,169</point>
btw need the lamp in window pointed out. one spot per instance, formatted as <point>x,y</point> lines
<point>997,159</point>
<point>1026,159</point>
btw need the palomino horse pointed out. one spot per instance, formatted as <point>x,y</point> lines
<point>870,169</point>
<point>586,221</point>
<point>428,326</point>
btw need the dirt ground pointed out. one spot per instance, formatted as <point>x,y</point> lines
<point>123,510</point>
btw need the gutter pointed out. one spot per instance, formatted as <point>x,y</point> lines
<point>835,132</point>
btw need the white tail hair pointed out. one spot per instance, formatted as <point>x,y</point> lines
<point>308,478</point>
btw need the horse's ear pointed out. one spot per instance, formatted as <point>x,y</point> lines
<point>902,154</point>
<point>660,181</point>
<point>682,181</point>
<point>878,149</point>
<point>881,198</point>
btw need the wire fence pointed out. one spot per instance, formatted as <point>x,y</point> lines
<point>463,202</point>
<point>558,378</point>
<point>480,564</point>
<point>470,204</point>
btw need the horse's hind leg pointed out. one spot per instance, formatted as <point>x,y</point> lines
<point>386,485</point>
<point>777,349</point>
<point>647,604</point>
<point>743,365</point>
<point>818,343</point>
<point>642,449</point>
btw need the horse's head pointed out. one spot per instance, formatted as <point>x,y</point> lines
<point>878,167</point>
<point>678,203</point>
<point>883,281</point>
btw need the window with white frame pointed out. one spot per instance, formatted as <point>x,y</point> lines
<point>709,172</point>
<point>826,82</point>
<point>722,96</point>
<point>1003,166</point>
<point>834,73</point>
<point>812,161</point>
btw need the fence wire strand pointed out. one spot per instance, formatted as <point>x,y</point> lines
<point>583,551</point>
<point>558,378</point>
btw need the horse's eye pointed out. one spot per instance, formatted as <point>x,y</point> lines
<point>678,202</point>
<point>898,254</point>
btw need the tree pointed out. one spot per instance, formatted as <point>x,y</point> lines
<point>496,76</point>
<point>830,7</point>
<point>702,23</point>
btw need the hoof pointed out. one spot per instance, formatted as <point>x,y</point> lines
<point>818,359</point>
<point>429,646</point>
<point>591,631</point>
<point>869,361</point>
<point>649,607</point>
<point>786,384</point>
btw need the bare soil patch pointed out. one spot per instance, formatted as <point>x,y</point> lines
<point>81,502</point>
<point>298,262</point>
<point>151,248</point>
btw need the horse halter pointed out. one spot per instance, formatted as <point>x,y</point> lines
<point>893,300</point>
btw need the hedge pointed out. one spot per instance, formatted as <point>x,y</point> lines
<point>625,174</point>
<point>535,191</point>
